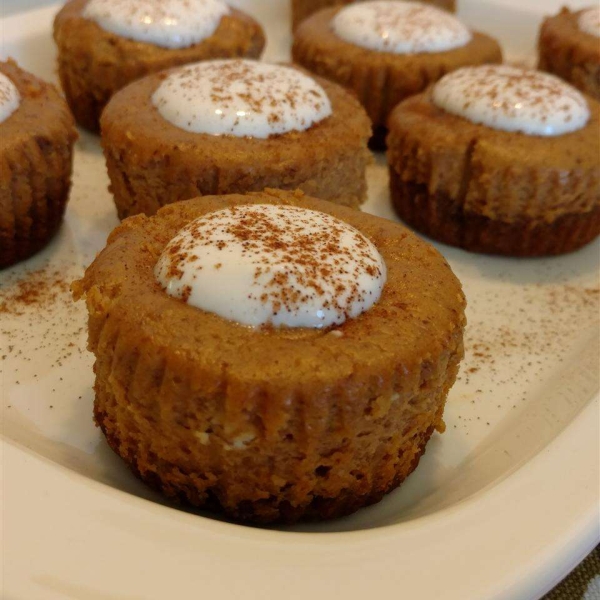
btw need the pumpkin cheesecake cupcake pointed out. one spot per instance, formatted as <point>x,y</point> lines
<point>569,46</point>
<point>37,133</point>
<point>301,9</point>
<point>386,51</point>
<point>233,126</point>
<point>271,355</point>
<point>105,44</point>
<point>500,160</point>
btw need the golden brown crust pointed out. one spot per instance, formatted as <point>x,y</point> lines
<point>94,63</point>
<point>570,53</point>
<point>380,80</point>
<point>152,162</point>
<point>450,175</point>
<point>181,487</point>
<point>440,217</point>
<point>270,425</point>
<point>36,146</point>
<point>301,9</point>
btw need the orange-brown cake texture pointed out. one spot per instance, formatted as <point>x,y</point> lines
<point>496,191</point>
<point>570,52</point>
<point>301,9</point>
<point>94,63</point>
<point>270,423</point>
<point>152,161</point>
<point>36,149</point>
<point>382,79</point>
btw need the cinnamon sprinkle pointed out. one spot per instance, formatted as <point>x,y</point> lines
<point>38,289</point>
<point>296,256</point>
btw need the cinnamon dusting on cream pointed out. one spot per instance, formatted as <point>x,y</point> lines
<point>280,265</point>
<point>512,99</point>
<point>242,98</point>
<point>400,27</point>
<point>166,23</point>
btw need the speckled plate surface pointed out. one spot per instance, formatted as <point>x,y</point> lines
<point>502,505</point>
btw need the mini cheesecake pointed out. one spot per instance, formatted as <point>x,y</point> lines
<point>499,160</point>
<point>103,45</point>
<point>271,356</point>
<point>221,127</point>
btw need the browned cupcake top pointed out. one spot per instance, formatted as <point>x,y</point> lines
<point>419,310</point>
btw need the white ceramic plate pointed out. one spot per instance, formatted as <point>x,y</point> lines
<point>501,507</point>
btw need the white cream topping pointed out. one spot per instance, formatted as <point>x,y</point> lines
<point>10,99</point>
<point>512,99</point>
<point>589,21</point>
<point>400,27</point>
<point>262,264</point>
<point>243,98</point>
<point>166,23</point>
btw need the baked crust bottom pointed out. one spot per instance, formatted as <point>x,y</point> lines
<point>181,488</point>
<point>439,217</point>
